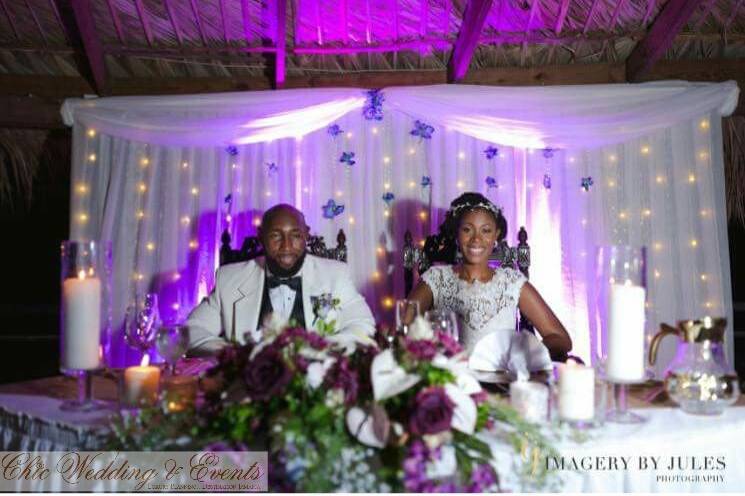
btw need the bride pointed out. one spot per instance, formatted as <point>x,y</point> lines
<point>484,299</point>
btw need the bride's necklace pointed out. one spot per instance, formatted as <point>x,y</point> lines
<point>465,275</point>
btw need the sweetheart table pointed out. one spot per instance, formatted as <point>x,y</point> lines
<point>672,452</point>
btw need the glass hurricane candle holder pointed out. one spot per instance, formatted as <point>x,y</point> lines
<point>179,393</point>
<point>621,286</point>
<point>84,315</point>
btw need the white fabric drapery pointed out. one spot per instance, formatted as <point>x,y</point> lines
<point>152,175</point>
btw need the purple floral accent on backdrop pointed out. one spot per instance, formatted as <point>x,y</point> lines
<point>491,152</point>
<point>373,109</point>
<point>422,129</point>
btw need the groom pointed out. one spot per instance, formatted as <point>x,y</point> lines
<point>285,283</point>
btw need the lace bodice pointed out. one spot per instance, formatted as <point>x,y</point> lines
<point>481,307</point>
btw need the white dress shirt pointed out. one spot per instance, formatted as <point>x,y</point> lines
<point>283,299</point>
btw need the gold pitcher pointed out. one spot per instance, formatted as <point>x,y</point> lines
<point>699,379</point>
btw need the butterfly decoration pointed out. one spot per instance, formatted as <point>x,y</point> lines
<point>548,153</point>
<point>586,183</point>
<point>331,209</point>
<point>491,152</point>
<point>491,182</point>
<point>388,197</point>
<point>232,150</point>
<point>422,129</point>
<point>426,181</point>
<point>373,109</point>
<point>271,168</point>
<point>334,130</point>
<point>547,181</point>
<point>347,158</point>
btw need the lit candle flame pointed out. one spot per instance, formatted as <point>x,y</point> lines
<point>81,274</point>
<point>145,360</point>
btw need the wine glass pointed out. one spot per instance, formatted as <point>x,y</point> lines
<point>442,320</point>
<point>141,322</point>
<point>406,312</point>
<point>172,341</point>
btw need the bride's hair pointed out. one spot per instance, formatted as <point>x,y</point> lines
<point>468,202</point>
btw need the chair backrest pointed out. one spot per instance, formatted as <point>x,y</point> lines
<point>252,248</point>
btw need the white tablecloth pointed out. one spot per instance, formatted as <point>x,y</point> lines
<point>669,434</point>
<point>35,423</point>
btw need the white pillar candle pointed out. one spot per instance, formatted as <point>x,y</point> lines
<point>530,399</point>
<point>141,385</point>
<point>625,333</point>
<point>576,392</point>
<point>81,310</point>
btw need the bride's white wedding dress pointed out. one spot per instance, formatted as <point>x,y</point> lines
<point>487,313</point>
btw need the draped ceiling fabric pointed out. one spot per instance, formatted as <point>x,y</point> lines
<point>153,174</point>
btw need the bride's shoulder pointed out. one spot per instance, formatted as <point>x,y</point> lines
<point>438,273</point>
<point>509,275</point>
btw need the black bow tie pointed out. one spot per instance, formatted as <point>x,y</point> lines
<point>293,283</point>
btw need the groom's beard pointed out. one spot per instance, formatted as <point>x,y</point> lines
<point>278,271</point>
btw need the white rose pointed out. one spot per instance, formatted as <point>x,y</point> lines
<point>317,372</point>
<point>420,329</point>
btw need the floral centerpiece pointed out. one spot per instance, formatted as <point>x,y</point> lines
<point>336,412</point>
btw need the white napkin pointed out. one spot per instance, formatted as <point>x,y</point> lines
<point>507,350</point>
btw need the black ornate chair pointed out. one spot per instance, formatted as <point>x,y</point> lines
<point>441,249</point>
<point>251,248</point>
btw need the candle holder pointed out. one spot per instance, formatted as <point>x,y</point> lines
<point>179,393</point>
<point>84,316</point>
<point>580,395</point>
<point>621,291</point>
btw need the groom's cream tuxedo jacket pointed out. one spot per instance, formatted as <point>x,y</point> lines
<point>232,309</point>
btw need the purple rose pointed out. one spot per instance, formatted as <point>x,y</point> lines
<point>343,377</point>
<point>432,412</point>
<point>267,375</point>
<point>421,348</point>
<point>449,343</point>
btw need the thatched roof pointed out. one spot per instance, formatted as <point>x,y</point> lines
<point>203,38</point>
<point>52,49</point>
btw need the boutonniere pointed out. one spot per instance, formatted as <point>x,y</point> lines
<point>324,311</point>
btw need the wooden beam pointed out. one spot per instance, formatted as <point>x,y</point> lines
<point>279,58</point>
<point>224,20</point>
<point>77,18</point>
<point>198,20</point>
<point>142,14</point>
<point>614,18</point>
<point>668,24</point>
<point>704,14</point>
<point>29,112</point>
<point>32,11</point>
<point>590,14</point>
<point>174,22</point>
<point>648,13</point>
<point>246,15</point>
<point>473,21</point>
<point>117,23</point>
<point>563,10</point>
<point>10,18</point>
<point>733,14</point>
<point>58,88</point>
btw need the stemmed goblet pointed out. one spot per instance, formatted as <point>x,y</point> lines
<point>172,341</point>
<point>141,322</point>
